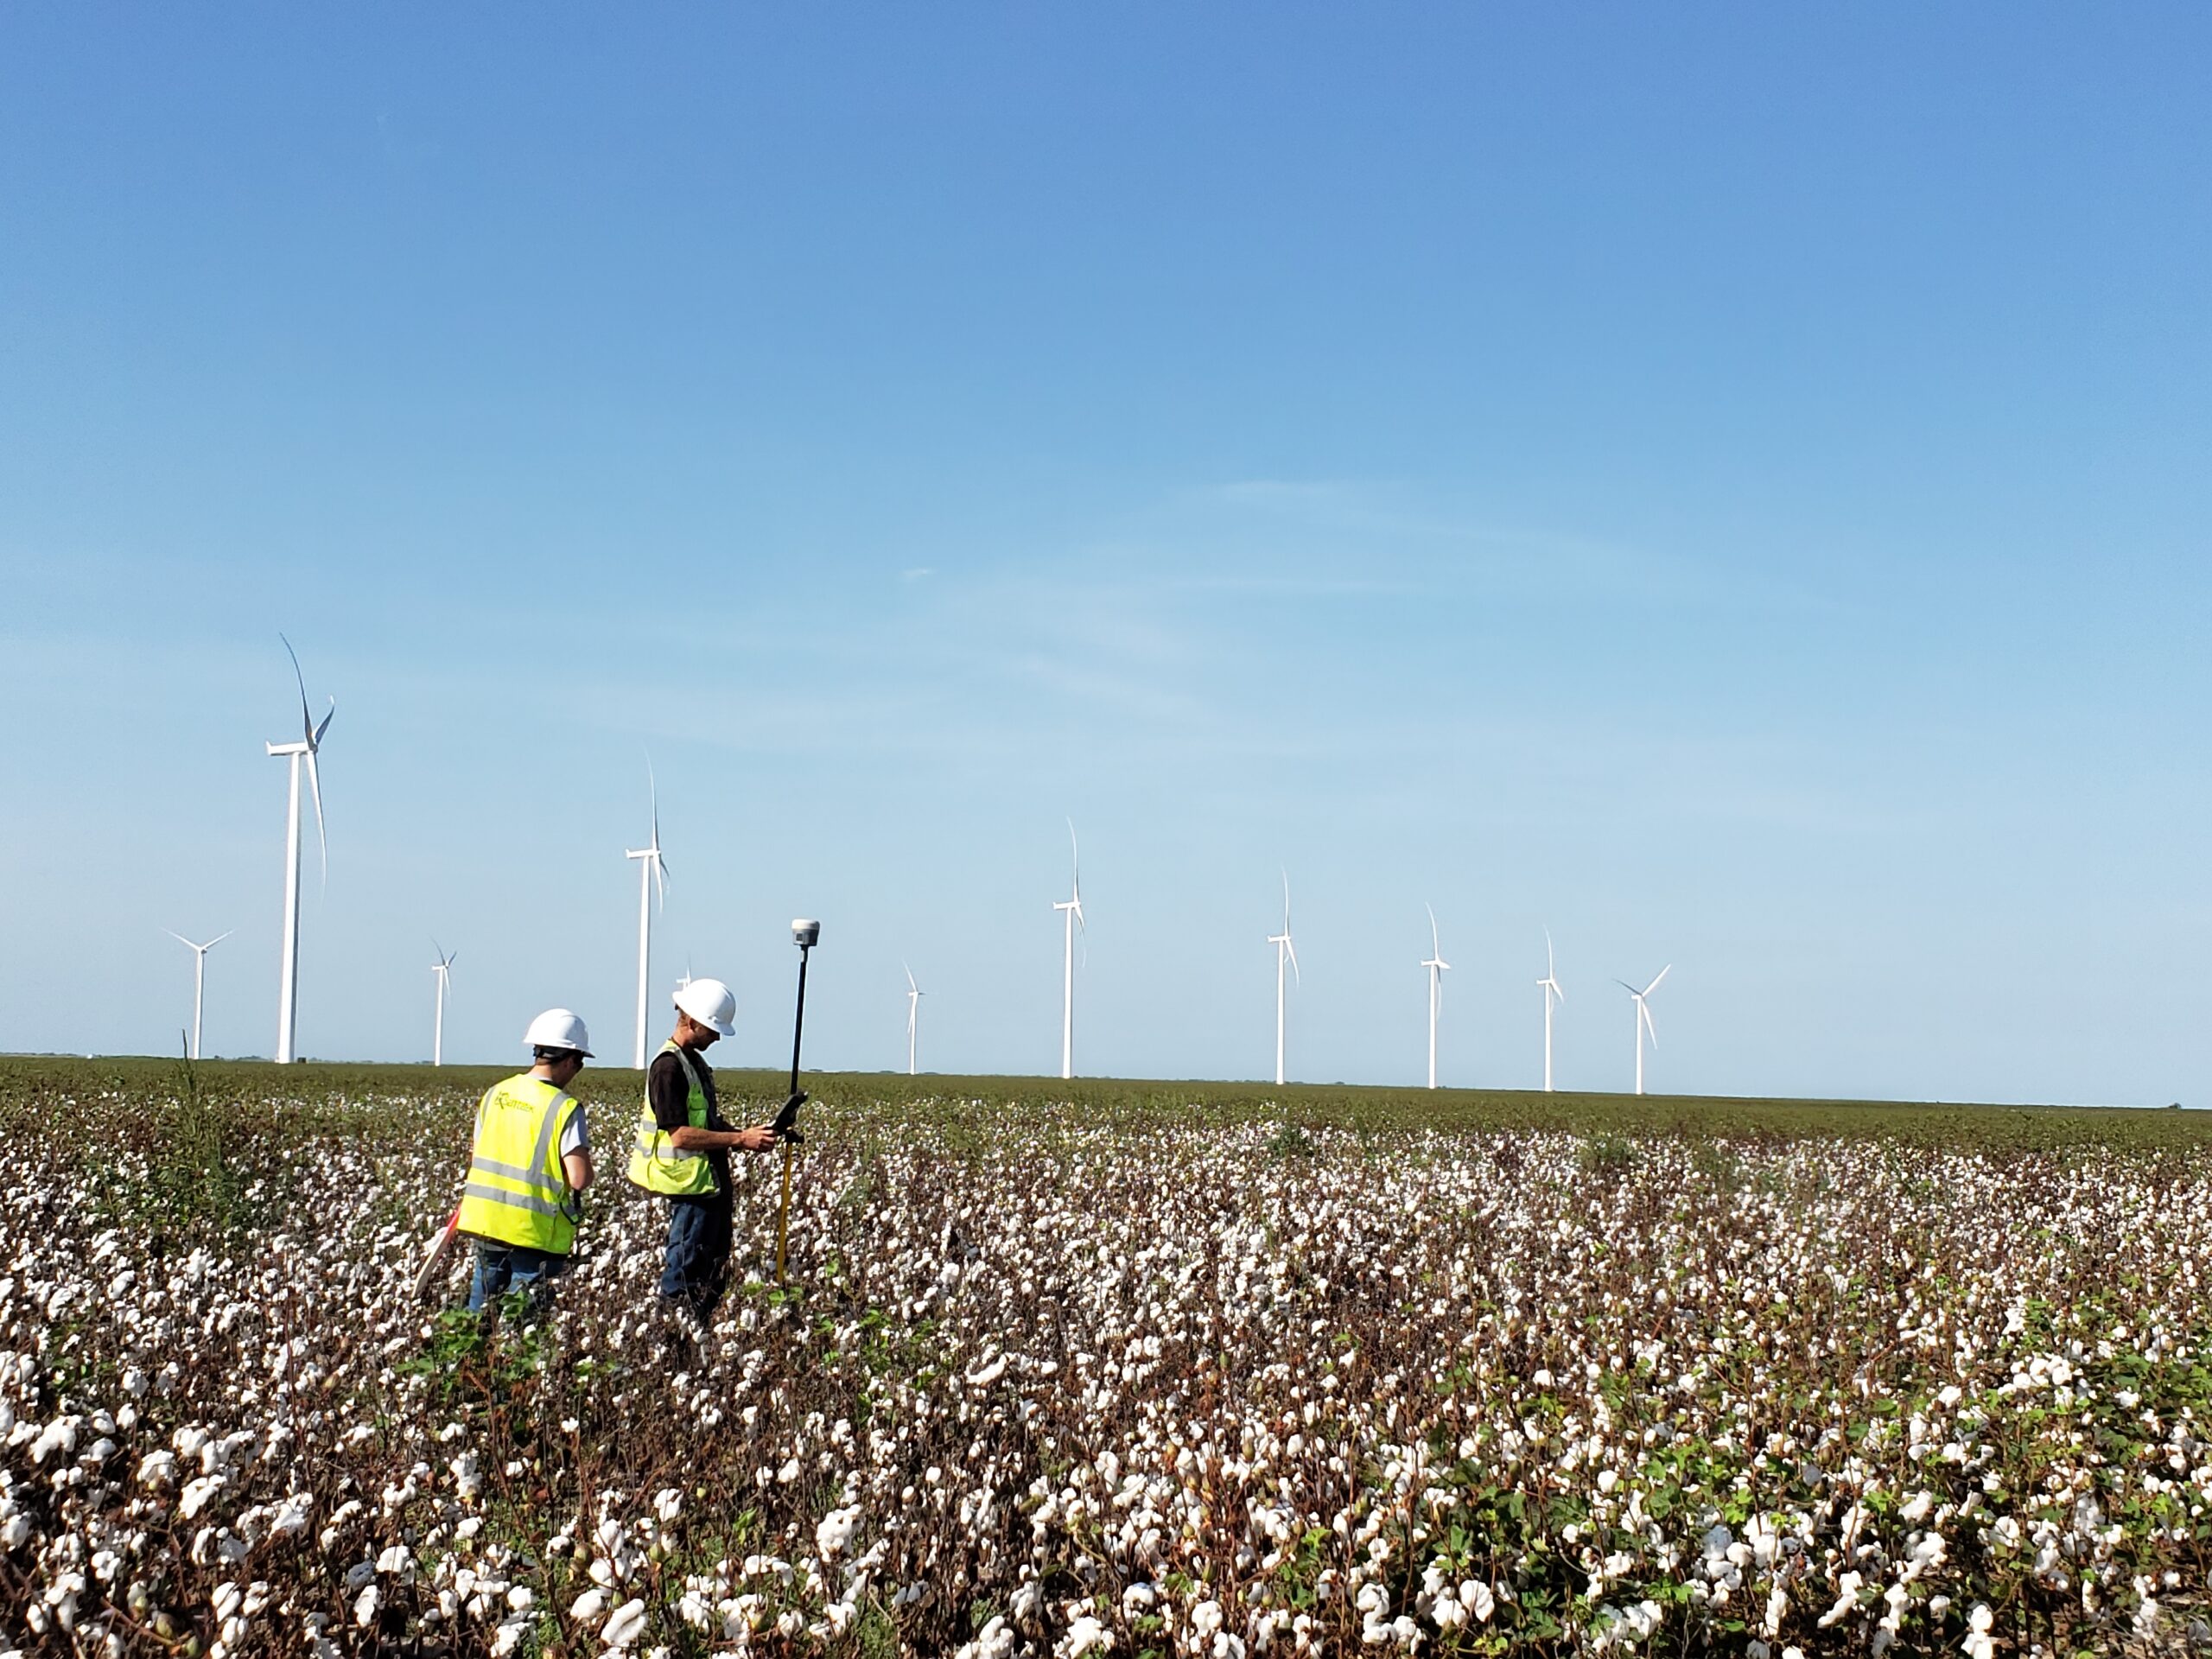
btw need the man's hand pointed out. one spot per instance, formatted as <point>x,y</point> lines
<point>759,1137</point>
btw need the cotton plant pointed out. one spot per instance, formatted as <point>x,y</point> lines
<point>1062,1389</point>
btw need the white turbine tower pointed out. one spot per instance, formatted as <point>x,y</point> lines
<point>652,872</point>
<point>1073,906</point>
<point>288,984</point>
<point>443,969</point>
<point>914,1016</point>
<point>1437,968</point>
<point>1644,1018</point>
<point>1551,988</point>
<point>1285,951</point>
<point>199,976</point>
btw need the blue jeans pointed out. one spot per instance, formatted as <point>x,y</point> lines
<point>502,1268</point>
<point>697,1265</point>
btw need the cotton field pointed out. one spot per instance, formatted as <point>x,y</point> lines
<point>1045,1384</point>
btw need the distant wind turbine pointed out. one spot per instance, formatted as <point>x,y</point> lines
<point>652,873</point>
<point>1285,951</point>
<point>442,968</point>
<point>914,1016</point>
<point>1551,988</point>
<point>199,976</point>
<point>288,985</point>
<point>1437,968</point>
<point>1644,1018</point>
<point>1073,906</point>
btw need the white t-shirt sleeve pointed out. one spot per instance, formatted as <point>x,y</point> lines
<point>575,1134</point>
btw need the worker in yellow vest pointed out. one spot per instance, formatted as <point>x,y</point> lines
<point>682,1152</point>
<point>530,1163</point>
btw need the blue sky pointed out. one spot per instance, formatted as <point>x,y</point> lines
<point>1726,484</point>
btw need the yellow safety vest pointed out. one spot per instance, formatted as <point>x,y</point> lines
<point>657,1165</point>
<point>517,1190</point>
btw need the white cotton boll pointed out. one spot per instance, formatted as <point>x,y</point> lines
<point>365,1606</point>
<point>588,1606</point>
<point>668,1503</point>
<point>1085,1636</point>
<point>1474,1596</point>
<point>837,1531</point>
<point>198,1494</point>
<point>522,1598</point>
<point>789,1472</point>
<point>157,1469</point>
<point>1847,1598</point>
<point>395,1559</point>
<point>625,1624</point>
<point>1206,1619</point>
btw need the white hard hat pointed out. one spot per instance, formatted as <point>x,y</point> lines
<point>712,1004</point>
<point>559,1028</point>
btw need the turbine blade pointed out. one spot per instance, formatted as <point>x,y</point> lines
<point>321,837</point>
<point>910,980</point>
<point>1654,985</point>
<point>307,721</point>
<point>180,938</point>
<point>315,737</point>
<point>1550,966</point>
<point>1075,855</point>
<point>660,873</point>
<point>218,939</point>
<point>1291,950</point>
<point>1435,945</point>
<point>1630,989</point>
<point>1649,1028</point>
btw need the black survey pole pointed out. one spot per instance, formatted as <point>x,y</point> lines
<point>799,1018</point>
<point>805,934</point>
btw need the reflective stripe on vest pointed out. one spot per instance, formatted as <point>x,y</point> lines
<point>529,1204</point>
<point>655,1164</point>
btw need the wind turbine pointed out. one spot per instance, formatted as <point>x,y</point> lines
<point>1551,988</point>
<point>1437,968</point>
<point>443,969</point>
<point>652,873</point>
<point>914,1016</point>
<point>1285,951</point>
<point>199,976</point>
<point>1644,1018</point>
<point>1073,906</point>
<point>288,986</point>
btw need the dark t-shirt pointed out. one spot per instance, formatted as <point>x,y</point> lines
<point>669,1091</point>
